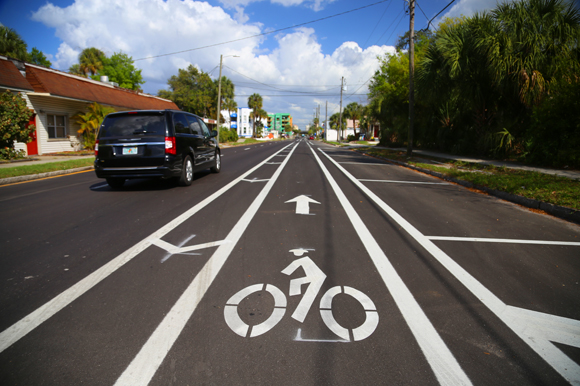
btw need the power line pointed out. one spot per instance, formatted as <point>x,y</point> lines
<point>389,27</point>
<point>376,25</point>
<point>422,9</point>
<point>265,33</point>
<point>447,6</point>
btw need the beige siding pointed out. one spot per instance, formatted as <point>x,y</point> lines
<point>43,106</point>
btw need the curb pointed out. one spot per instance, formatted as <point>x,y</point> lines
<point>29,177</point>
<point>562,212</point>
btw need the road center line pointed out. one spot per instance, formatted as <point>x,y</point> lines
<point>19,329</point>
<point>152,354</point>
<point>440,358</point>
<point>567,368</point>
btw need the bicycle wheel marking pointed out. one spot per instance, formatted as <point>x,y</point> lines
<point>363,331</point>
<point>238,326</point>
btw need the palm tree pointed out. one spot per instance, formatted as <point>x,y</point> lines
<point>353,111</point>
<point>90,121</point>
<point>255,103</point>
<point>91,60</point>
<point>11,44</point>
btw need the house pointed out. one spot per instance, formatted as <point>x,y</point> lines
<point>56,96</point>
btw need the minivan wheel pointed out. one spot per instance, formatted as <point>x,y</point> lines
<point>186,172</point>
<point>115,182</point>
<point>218,163</point>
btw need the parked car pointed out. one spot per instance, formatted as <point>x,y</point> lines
<point>311,137</point>
<point>154,144</point>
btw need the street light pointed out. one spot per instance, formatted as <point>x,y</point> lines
<point>220,96</point>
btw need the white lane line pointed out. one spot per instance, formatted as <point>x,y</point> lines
<point>405,182</point>
<point>508,241</point>
<point>440,358</point>
<point>569,369</point>
<point>151,355</point>
<point>40,315</point>
<point>247,148</point>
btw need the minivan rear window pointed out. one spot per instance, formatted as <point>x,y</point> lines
<point>133,125</point>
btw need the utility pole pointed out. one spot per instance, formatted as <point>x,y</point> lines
<point>411,75</point>
<point>219,114</point>
<point>219,100</point>
<point>326,122</point>
<point>340,116</point>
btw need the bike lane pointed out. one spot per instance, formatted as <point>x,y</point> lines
<point>281,246</point>
<point>462,288</point>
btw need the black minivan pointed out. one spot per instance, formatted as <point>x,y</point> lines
<point>154,144</point>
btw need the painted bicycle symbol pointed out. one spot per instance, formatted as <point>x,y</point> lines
<point>314,277</point>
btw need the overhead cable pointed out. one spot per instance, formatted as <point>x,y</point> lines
<point>264,33</point>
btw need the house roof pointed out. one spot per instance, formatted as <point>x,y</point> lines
<point>11,76</point>
<point>61,84</point>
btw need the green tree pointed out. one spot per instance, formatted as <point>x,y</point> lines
<point>90,121</point>
<point>91,60</point>
<point>353,111</point>
<point>37,57</point>
<point>121,70</point>
<point>14,118</point>
<point>11,44</point>
<point>255,103</point>
<point>75,69</point>
<point>193,91</point>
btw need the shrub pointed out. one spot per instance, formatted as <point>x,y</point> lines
<point>14,117</point>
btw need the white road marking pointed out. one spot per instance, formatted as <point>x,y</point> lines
<point>232,317</point>
<point>569,369</point>
<point>405,182</point>
<point>299,338</point>
<point>255,180</point>
<point>19,329</point>
<point>361,332</point>
<point>151,355</point>
<point>442,362</point>
<point>300,251</point>
<point>173,250</point>
<point>302,204</point>
<point>314,277</point>
<point>247,148</point>
<point>509,241</point>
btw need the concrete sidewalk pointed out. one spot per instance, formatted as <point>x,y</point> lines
<point>572,174</point>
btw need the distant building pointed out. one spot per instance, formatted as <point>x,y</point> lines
<point>240,120</point>
<point>278,121</point>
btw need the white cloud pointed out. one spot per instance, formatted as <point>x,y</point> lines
<point>146,28</point>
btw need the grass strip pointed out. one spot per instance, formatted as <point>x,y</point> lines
<point>45,168</point>
<point>548,188</point>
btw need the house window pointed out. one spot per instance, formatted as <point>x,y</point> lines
<point>56,126</point>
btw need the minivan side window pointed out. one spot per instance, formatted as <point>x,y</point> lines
<point>194,124</point>
<point>205,129</point>
<point>180,123</point>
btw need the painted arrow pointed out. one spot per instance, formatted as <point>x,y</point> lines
<point>302,204</point>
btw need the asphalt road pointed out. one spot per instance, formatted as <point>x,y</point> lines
<point>298,264</point>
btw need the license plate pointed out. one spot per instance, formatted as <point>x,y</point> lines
<point>130,150</point>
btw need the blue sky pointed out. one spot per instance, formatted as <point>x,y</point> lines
<point>311,58</point>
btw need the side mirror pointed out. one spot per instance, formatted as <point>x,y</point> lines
<point>214,133</point>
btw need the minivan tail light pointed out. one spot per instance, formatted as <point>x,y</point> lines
<point>96,147</point>
<point>170,145</point>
